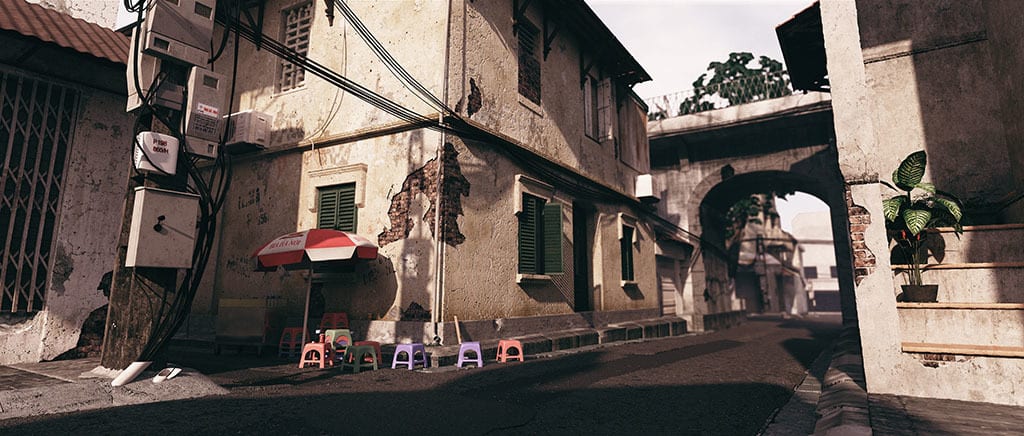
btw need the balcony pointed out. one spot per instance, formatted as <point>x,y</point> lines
<point>720,95</point>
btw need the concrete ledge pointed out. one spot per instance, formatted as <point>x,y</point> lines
<point>843,405</point>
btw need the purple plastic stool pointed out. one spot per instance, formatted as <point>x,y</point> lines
<point>410,350</point>
<point>471,346</point>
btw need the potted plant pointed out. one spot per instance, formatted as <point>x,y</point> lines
<point>917,208</point>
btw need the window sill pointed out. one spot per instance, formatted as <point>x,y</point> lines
<point>533,107</point>
<point>532,278</point>
<point>629,284</point>
<point>297,89</point>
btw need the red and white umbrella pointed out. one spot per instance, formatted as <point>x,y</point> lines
<point>302,249</point>
<point>307,248</point>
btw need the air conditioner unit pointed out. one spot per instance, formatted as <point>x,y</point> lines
<point>248,131</point>
<point>167,94</point>
<point>180,30</point>
<point>204,123</point>
<point>645,189</point>
<point>156,152</point>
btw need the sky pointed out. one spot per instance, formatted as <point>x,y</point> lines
<point>674,40</point>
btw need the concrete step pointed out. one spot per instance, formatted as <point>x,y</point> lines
<point>986,324</point>
<point>989,243</point>
<point>972,284</point>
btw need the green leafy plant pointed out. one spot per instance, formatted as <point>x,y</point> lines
<point>917,208</point>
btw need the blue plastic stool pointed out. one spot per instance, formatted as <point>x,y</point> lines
<point>410,351</point>
<point>467,347</point>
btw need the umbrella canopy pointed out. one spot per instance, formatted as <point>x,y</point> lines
<point>310,247</point>
<point>302,249</point>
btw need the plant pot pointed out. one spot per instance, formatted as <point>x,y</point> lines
<point>920,293</point>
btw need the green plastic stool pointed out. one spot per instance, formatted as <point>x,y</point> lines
<point>354,356</point>
<point>340,339</point>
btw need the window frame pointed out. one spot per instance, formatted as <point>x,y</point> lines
<point>591,103</point>
<point>628,245</point>
<point>536,198</point>
<point>285,67</point>
<point>526,28</point>
<point>339,190</point>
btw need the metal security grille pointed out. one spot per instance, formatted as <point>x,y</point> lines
<point>36,123</point>
<point>296,21</point>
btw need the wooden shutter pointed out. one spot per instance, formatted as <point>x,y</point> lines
<point>604,110</point>
<point>590,107</point>
<point>336,208</point>
<point>552,238</point>
<point>529,233</point>
<point>346,208</point>
<point>627,253</point>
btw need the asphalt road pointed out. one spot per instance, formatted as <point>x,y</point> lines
<point>722,383</point>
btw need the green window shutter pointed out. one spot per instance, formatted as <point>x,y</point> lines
<point>336,207</point>
<point>627,253</point>
<point>346,208</point>
<point>529,233</point>
<point>327,209</point>
<point>552,238</point>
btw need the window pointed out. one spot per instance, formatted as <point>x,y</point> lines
<point>811,272</point>
<point>590,106</point>
<point>336,207</point>
<point>626,242</point>
<point>529,61</point>
<point>540,236</point>
<point>36,123</point>
<point>295,35</point>
<point>833,272</point>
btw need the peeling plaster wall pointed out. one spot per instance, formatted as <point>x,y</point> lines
<point>906,76</point>
<point>103,12</point>
<point>89,225</point>
<point>316,142</point>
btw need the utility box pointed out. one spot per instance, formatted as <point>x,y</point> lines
<point>179,30</point>
<point>204,123</point>
<point>163,230</point>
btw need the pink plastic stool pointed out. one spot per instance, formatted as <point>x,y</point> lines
<point>505,345</point>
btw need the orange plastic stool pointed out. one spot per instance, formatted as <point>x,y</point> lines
<point>374,344</point>
<point>290,344</point>
<point>505,345</point>
<point>317,353</point>
<point>334,320</point>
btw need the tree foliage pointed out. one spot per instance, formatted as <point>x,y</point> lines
<point>735,82</point>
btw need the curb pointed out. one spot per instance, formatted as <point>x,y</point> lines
<point>843,406</point>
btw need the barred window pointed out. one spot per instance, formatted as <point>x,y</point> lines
<point>36,123</point>
<point>296,22</point>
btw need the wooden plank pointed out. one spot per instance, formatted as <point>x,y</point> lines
<point>967,306</point>
<point>973,265</point>
<point>964,349</point>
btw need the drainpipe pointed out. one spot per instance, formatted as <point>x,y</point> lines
<point>437,315</point>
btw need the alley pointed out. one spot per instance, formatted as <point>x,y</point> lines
<point>726,382</point>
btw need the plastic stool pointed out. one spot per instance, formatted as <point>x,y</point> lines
<point>505,345</point>
<point>374,344</point>
<point>410,351</point>
<point>290,344</point>
<point>317,353</point>
<point>467,347</point>
<point>354,356</point>
<point>334,320</point>
<point>339,340</point>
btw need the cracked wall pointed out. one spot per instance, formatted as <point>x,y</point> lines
<point>424,181</point>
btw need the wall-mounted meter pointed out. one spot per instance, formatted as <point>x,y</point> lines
<point>179,29</point>
<point>163,229</point>
<point>204,121</point>
<point>166,94</point>
<point>248,131</point>
<point>156,152</point>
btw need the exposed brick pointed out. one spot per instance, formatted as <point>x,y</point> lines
<point>425,181</point>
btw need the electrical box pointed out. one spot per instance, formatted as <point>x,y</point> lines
<point>155,152</point>
<point>248,131</point>
<point>167,95</point>
<point>163,229</point>
<point>645,188</point>
<point>204,122</point>
<point>180,30</point>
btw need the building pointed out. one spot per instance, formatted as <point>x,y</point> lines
<point>813,233</point>
<point>59,78</point>
<point>523,221</point>
<point>944,77</point>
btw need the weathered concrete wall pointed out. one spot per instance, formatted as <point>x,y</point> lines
<point>907,76</point>
<point>100,12</point>
<point>86,238</point>
<point>324,137</point>
<point>813,230</point>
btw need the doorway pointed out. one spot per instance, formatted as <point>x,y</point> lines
<point>582,214</point>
